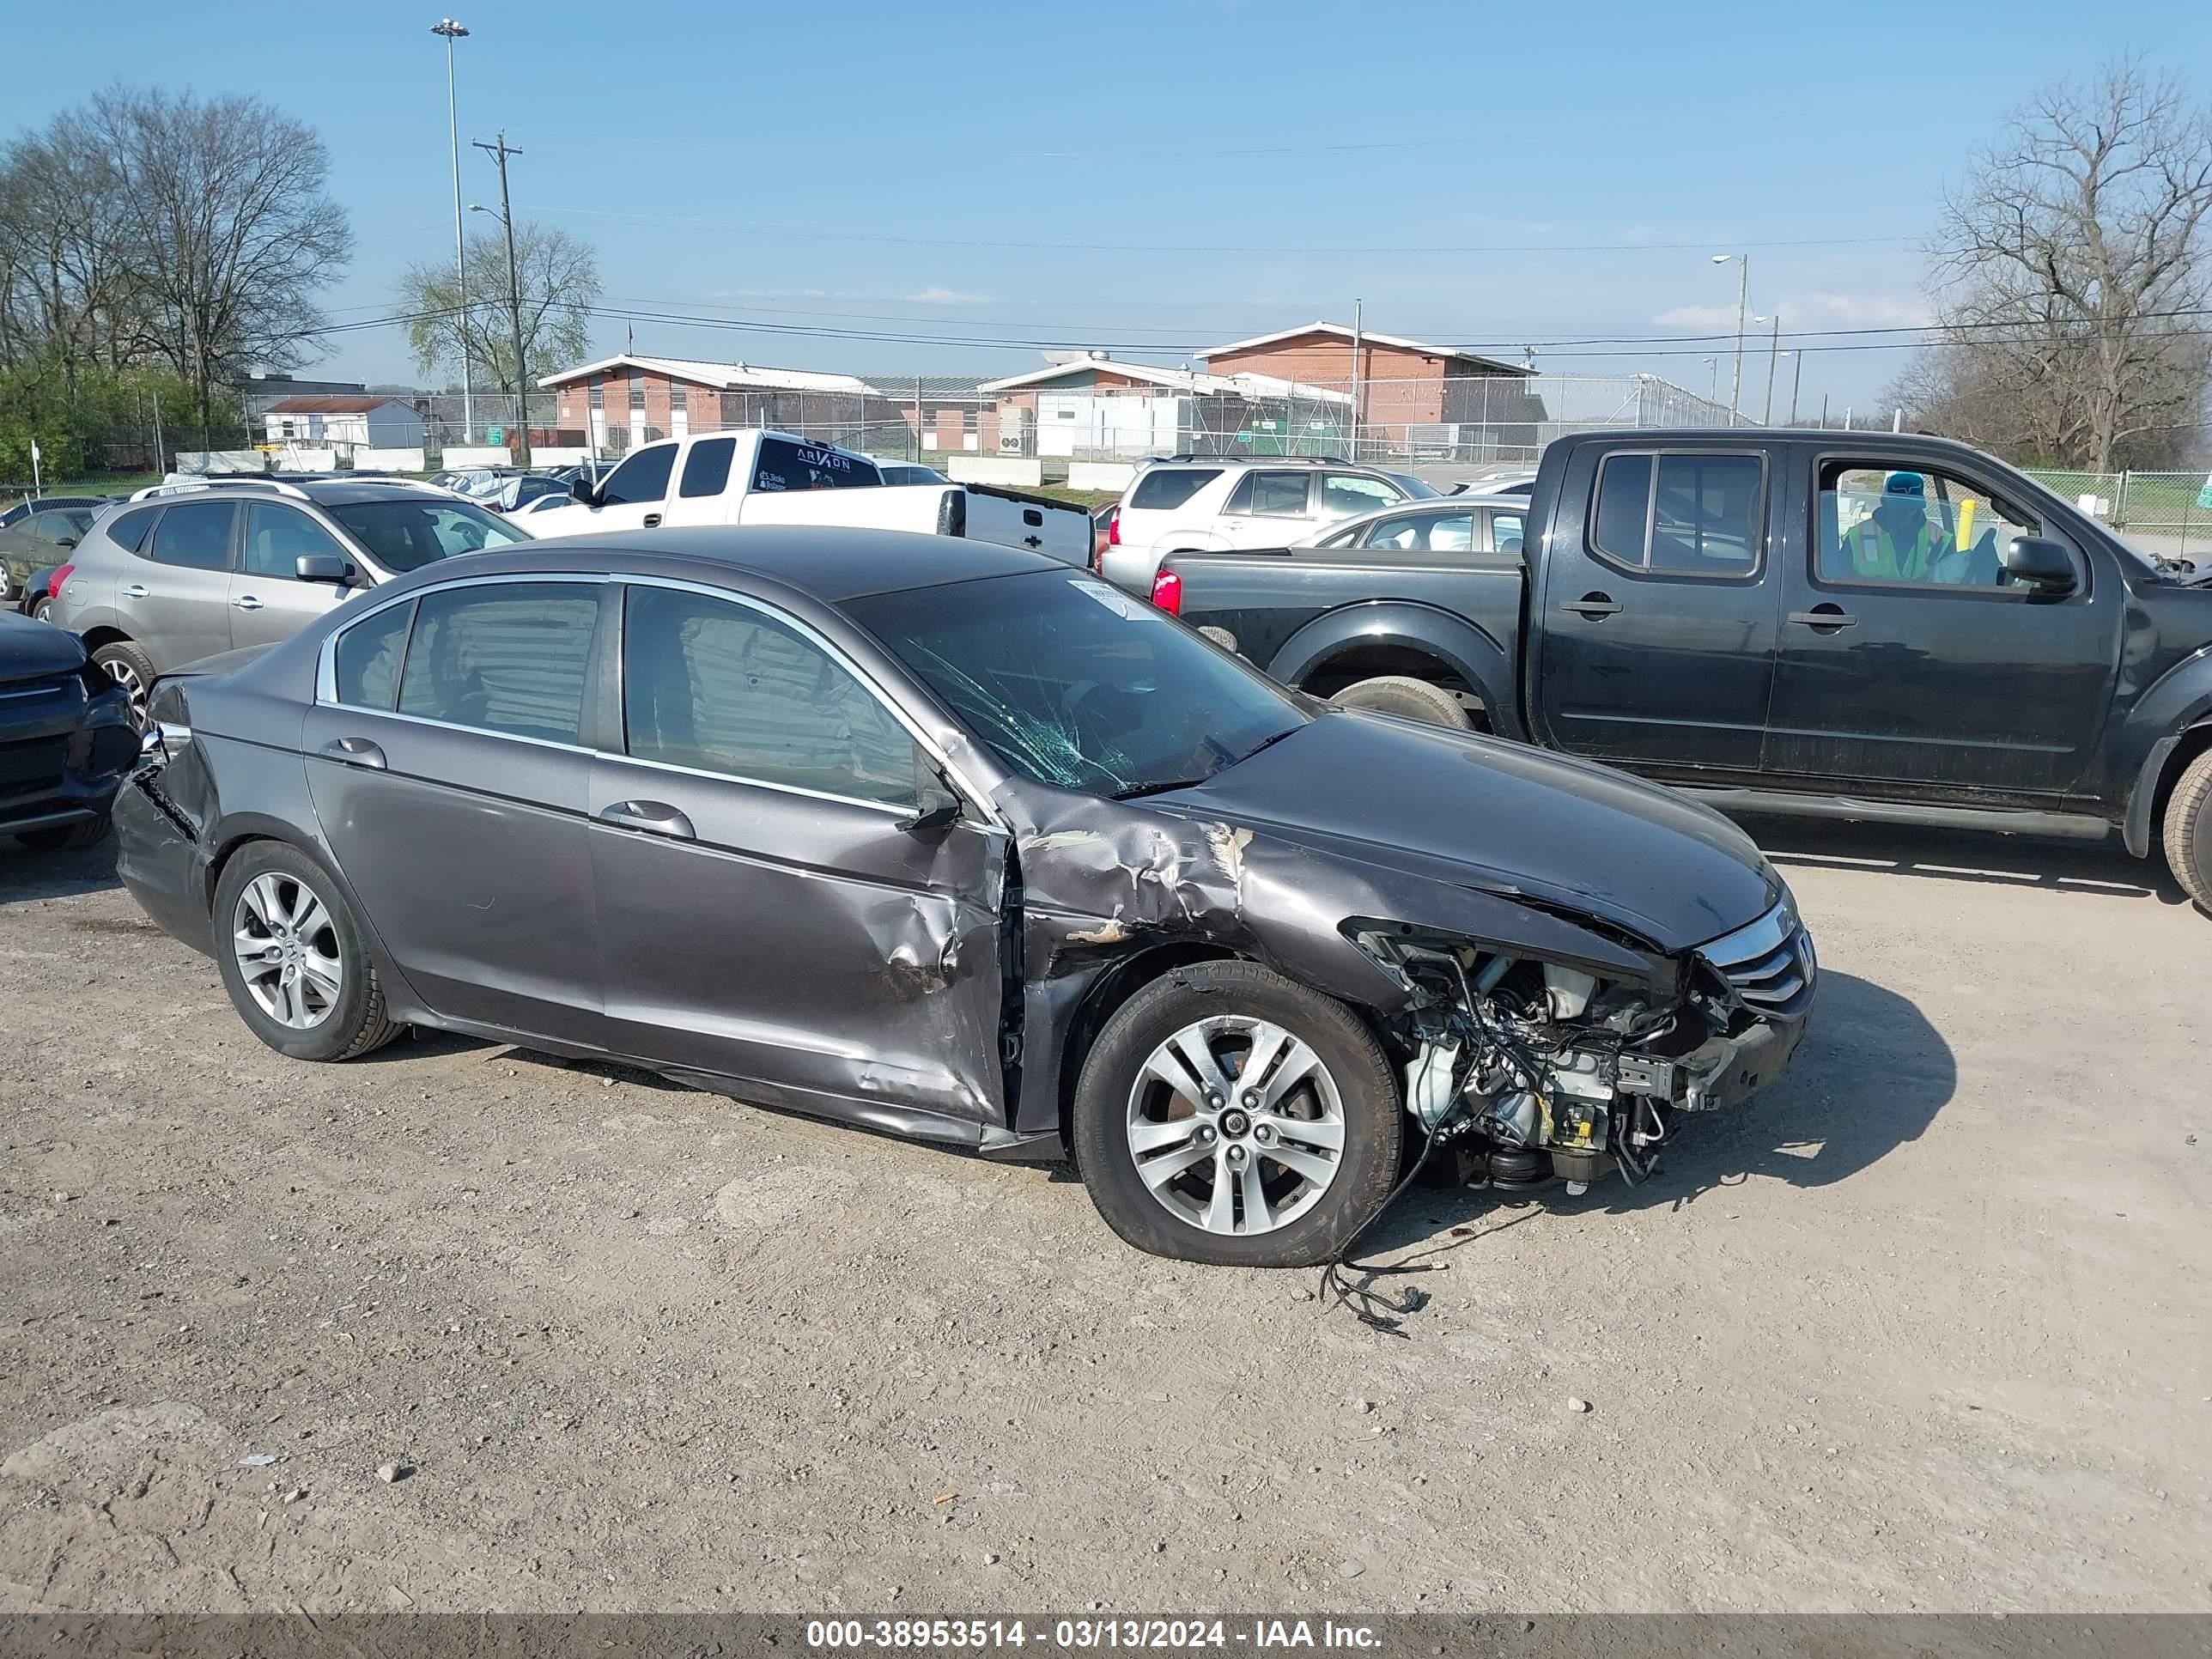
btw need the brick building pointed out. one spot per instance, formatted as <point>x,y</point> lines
<point>1401,382</point>
<point>622,401</point>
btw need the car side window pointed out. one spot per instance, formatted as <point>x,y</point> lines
<point>1422,532</point>
<point>1343,494</point>
<point>1506,532</point>
<point>1170,487</point>
<point>129,530</point>
<point>277,536</point>
<point>508,657</point>
<point>707,468</point>
<point>642,478</point>
<point>1914,527</point>
<point>1274,495</point>
<point>61,528</point>
<point>1686,514</point>
<point>195,536</point>
<point>366,659</point>
<point>720,687</point>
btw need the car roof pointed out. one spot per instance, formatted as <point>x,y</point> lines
<point>323,492</point>
<point>831,563</point>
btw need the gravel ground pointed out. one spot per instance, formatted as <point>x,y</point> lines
<point>1923,1328</point>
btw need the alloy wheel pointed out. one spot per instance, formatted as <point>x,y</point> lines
<point>1235,1125</point>
<point>127,677</point>
<point>287,948</point>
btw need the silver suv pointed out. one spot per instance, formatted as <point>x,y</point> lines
<point>202,568</point>
<point>1223,505</point>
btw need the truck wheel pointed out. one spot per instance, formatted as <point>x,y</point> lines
<point>1406,697</point>
<point>1229,1117</point>
<point>2189,830</point>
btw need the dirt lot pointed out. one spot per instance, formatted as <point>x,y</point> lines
<point>1924,1328</point>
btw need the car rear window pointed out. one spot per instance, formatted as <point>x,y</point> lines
<point>1162,489</point>
<point>783,464</point>
<point>130,529</point>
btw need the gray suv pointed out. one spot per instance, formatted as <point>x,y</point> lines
<point>199,569</point>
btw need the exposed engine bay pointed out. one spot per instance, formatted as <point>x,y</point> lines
<point>1524,1071</point>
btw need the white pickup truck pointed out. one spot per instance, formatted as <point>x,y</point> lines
<point>772,477</point>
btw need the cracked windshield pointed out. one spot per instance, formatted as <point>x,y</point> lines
<point>1074,684</point>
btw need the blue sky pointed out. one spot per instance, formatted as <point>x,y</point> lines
<point>1162,176</point>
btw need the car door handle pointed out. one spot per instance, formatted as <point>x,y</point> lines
<point>652,520</point>
<point>1826,617</point>
<point>1593,605</point>
<point>354,751</point>
<point>655,817</point>
<point>246,602</point>
<point>135,591</point>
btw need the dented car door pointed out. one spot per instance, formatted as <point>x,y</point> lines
<point>786,898</point>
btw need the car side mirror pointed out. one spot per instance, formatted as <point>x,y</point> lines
<point>2040,563</point>
<point>324,567</point>
<point>937,808</point>
<point>584,490</point>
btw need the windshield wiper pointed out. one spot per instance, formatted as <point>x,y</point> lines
<point>1269,743</point>
<point>1160,788</point>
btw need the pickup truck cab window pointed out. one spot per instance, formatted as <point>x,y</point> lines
<point>783,464</point>
<point>642,478</point>
<point>1915,527</point>
<point>707,468</point>
<point>1687,513</point>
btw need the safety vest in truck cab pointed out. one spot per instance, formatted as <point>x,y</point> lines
<point>1878,555</point>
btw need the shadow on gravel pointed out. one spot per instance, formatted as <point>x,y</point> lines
<point>2057,866</point>
<point>1870,1077</point>
<point>25,874</point>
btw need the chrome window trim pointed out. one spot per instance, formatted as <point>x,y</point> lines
<point>868,682</point>
<point>470,730</point>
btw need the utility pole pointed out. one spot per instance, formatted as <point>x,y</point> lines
<point>452,31</point>
<point>1796,382</point>
<point>1355,380</point>
<point>1773,357</point>
<point>499,152</point>
<point>1742,315</point>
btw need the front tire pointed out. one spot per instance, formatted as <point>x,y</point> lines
<point>1229,1117</point>
<point>1408,698</point>
<point>2189,830</point>
<point>293,958</point>
<point>129,667</point>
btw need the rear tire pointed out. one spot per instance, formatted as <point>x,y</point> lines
<point>1323,1078</point>
<point>129,667</point>
<point>270,879</point>
<point>61,837</point>
<point>1408,698</point>
<point>40,605</point>
<point>2189,830</point>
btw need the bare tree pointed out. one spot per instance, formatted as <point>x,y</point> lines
<point>2071,272</point>
<point>559,278</point>
<point>223,208</point>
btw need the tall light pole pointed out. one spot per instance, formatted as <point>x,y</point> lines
<point>452,31</point>
<point>499,152</point>
<point>1742,313</point>
<point>1773,357</point>
<point>1796,384</point>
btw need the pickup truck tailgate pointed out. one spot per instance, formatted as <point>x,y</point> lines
<point>1014,519</point>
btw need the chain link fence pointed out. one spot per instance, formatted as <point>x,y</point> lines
<point>2166,512</point>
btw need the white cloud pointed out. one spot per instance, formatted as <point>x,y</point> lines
<point>1703,317</point>
<point>946,296</point>
<point>1853,310</point>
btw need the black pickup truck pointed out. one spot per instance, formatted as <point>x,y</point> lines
<point>1849,624</point>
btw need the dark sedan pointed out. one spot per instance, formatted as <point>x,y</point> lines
<point>66,737</point>
<point>945,839</point>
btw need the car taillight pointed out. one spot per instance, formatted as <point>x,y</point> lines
<point>1113,528</point>
<point>54,582</point>
<point>1167,593</point>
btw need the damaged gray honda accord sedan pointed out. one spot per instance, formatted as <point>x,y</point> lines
<point>946,840</point>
